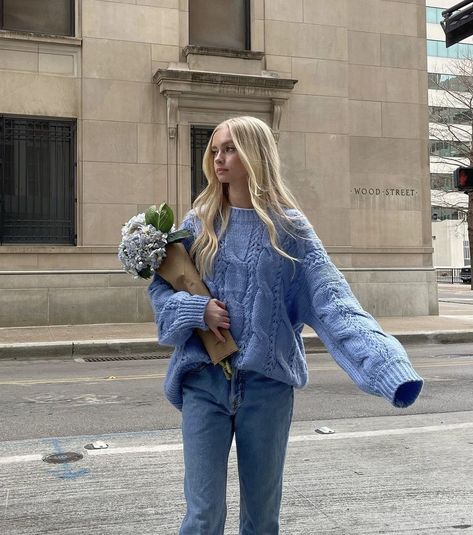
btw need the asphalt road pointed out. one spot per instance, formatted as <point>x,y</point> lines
<point>383,470</point>
<point>67,398</point>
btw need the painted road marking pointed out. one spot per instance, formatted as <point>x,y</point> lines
<point>138,449</point>
<point>382,432</point>
<point>163,448</point>
<point>84,379</point>
<point>142,377</point>
<point>20,459</point>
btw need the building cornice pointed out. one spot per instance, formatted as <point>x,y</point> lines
<point>195,81</point>
<point>204,90</point>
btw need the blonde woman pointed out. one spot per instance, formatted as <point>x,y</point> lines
<point>269,275</point>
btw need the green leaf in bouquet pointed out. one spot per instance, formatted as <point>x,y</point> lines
<point>161,218</point>
<point>166,218</point>
<point>152,217</point>
<point>145,273</point>
<point>179,235</point>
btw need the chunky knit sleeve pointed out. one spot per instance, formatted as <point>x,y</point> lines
<point>374,360</point>
<point>177,314</point>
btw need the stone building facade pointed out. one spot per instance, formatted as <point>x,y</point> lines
<point>132,83</point>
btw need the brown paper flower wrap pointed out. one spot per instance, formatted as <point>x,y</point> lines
<point>179,271</point>
<point>151,243</point>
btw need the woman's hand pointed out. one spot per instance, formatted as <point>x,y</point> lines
<point>216,316</point>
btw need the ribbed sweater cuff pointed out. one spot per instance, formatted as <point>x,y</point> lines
<point>399,383</point>
<point>191,312</point>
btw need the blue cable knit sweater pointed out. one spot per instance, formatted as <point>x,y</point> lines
<point>269,299</point>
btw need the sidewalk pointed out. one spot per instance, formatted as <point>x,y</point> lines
<point>454,324</point>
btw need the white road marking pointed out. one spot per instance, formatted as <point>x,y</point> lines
<point>382,432</point>
<point>162,448</point>
<point>138,449</point>
<point>457,317</point>
<point>20,459</point>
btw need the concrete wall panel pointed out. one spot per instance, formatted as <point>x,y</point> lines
<point>33,94</point>
<point>116,60</point>
<point>365,118</point>
<point>103,222</point>
<point>316,12</point>
<point>305,40</point>
<point>320,77</point>
<point>92,305</point>
<point>285,11</point>
<point>111,100</point>
<point>107,141</point>
<point>112,183</point>
<point>19,307</point>
<point>126,22</point>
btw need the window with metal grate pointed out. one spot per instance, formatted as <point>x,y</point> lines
<point>37,180</point>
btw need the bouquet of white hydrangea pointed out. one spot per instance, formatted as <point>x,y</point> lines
<point>144,240</point>
<point>150,242</point>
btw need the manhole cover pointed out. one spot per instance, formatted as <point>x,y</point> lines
<point>66,457</point>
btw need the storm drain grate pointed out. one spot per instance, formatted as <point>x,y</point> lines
<point>123,357</point>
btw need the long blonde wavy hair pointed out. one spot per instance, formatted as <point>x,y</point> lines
<point>256,147</point>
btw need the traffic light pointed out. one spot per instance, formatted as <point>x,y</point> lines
<point>457,24</point>
<point>463,179</point>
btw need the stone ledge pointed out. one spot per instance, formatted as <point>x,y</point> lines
<point>223,52</point>
<point>64,272</point>
<point>216,78</point>
<point>40,38</point>
<point>57,249</point>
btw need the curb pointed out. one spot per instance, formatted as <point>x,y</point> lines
<point>436,337</point>
<point>149,346</point>
<point>82,349</point>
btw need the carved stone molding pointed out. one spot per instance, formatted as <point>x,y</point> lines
<point>172,113</point>
<point>278,104</point>
<point>222,91</point>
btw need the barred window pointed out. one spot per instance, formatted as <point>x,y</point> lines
<point>37,180</point>
<point>52,17</point>
<point>222,24</point>
<point>200,137</point>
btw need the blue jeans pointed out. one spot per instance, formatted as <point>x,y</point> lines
<point>258,411</point>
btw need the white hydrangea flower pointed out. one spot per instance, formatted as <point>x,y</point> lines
<point>142,246</point>
<point>135,223</point>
